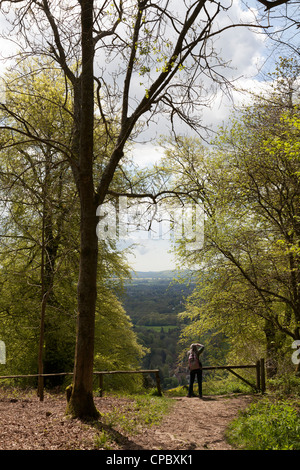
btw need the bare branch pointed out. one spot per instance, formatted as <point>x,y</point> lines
<point>269,5</point>
<point>102,34</point>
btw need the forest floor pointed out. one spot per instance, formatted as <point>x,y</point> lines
<point>191,424</point>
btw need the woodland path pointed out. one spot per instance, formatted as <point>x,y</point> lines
<point>192,424</point>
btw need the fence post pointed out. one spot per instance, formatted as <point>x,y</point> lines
<point>101,384</point>
<point>158,383</point>
<point>40,391</point>
<point>262,375</point>
<point>258,385</point>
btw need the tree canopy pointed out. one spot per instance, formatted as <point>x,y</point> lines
<point>248,183</point>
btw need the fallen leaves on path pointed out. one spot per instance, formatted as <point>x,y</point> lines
<point>192,424</point>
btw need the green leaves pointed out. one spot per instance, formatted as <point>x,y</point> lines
<point>248,183</point>
<point>41,217</point>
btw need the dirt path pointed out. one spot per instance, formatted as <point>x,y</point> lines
<point>27,424</point>
<point>194,424</point>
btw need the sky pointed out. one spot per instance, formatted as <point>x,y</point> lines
<point>246,51</point>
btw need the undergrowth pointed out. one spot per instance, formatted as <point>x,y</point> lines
<point>214,386</point>
<point>138,412</point>
<point>267,425</point>
<point>273,423</point>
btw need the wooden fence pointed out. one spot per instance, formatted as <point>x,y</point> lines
<point>259,386</point>
<point>100,375</point>
<point>151,371</point>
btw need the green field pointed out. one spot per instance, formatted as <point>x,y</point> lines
<point>160,328</point>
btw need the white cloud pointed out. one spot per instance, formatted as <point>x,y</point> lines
<point>146,154</point>
<point>152,255</point>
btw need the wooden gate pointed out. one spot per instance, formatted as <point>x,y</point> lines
<point>259,386</point>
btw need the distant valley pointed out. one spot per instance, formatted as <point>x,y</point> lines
<point>153,300</point>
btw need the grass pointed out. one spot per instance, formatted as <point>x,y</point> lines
<point>273,423</point>
<point>267,425</point>
<point>214,386</point>
<point>226,386</point>
<point>143,410</point>
<point>138,412</point>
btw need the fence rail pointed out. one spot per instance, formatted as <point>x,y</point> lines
<point>146,371</point>
<point>259,386</point>
<point>100,375</point>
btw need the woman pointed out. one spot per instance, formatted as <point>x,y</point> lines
<point>195,367</point>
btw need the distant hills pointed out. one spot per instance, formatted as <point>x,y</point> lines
<point>167,274</point>
<point>153,274</point>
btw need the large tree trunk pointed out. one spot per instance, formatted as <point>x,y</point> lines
<point>81,402</point>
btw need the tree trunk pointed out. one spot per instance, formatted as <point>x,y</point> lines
<point>81,404</point>
<point>48,255</point>
<point>272,359</point>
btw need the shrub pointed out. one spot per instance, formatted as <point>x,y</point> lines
<point>285,385</point>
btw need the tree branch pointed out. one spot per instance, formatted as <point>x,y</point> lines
<point>152,196</point>
<point>110,32</point>
<point>269,5</point>
<point>61,56</point>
